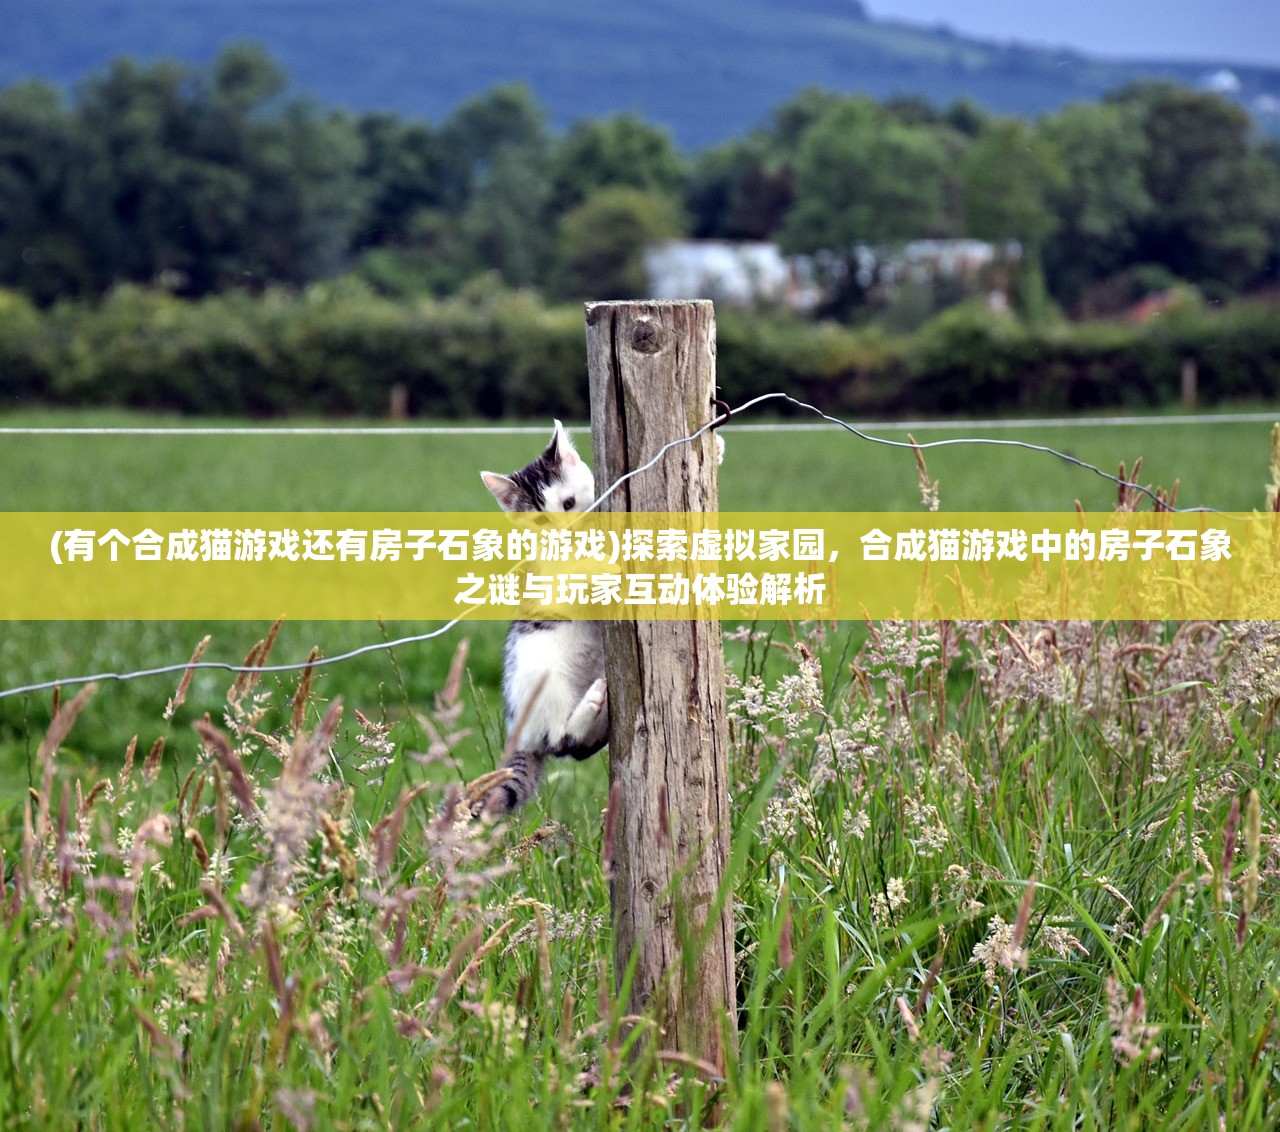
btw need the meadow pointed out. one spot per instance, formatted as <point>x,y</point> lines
<point>1222,465</point>
<point>984,875</point>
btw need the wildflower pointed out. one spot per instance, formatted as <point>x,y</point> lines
<point>784,817</point>
<point>917,1106</point>
<point>297,1106</point>
<point>999,951</point>
<point>885,905</point>
<point>180,696</point>
<point>375,736</point>
<point>1132,1038</point>
<point>798,696</point>
<point>1061,942</point>
<point>549,835</point>
<point>504,1023</point>
<point>949,765</point>
<point>1104,882</point>
<point>856,824</point>
<point>931,835</point>
<point>936,1060</point>
<point>746,705</point>
<point>558,925</point>
<point>1254,679</point>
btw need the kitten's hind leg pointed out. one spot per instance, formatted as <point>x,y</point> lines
<point>508,787</point>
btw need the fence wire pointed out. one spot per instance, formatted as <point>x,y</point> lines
<point>417,638</point>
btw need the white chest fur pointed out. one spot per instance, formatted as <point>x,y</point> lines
<point>557,663</point>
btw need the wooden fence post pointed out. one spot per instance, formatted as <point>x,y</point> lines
<point>1190,379</point>
<point>652,371</point>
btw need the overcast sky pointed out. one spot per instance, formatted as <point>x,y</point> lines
<point>1246,31</point>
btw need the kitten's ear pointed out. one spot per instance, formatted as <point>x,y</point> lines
<point>561,448</point>
<point>504,490</point>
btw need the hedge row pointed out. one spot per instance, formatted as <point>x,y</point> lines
<point>337,349</point>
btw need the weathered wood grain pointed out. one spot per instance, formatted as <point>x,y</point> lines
<point>652,373</point>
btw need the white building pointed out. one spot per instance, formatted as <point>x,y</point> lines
<point>748,274</point>
<point>736,274</point>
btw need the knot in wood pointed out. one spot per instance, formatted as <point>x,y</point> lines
<point>646,338</point>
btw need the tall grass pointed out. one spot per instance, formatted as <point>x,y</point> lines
<point>993,876</point>
<point>985,875</point>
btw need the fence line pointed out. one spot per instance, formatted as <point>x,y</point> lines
<point>834,423</point>
<point>537,430</point>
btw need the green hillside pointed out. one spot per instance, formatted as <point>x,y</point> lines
<point>708,69</point>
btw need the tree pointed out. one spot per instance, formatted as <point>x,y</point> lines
<point>405,170</point>
<point>1215,196</point>
<point>602,241</point>
<point>246,79</point>
<point>1102,202</point>
<point>913,110</point>
<point>508,226</point>
<point>966,117</point>
<point>793,119</point>
<point>507,117</point>
<point>863,179</point>
<point>735,194</point>
<point>201,181</point>
<point>1008,174</point>
<point>618,150</point>
<point>42,247</point>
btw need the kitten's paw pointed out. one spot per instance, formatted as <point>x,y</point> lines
<point>597,696</point>
<point>491,795</point>
<point>585,721</point>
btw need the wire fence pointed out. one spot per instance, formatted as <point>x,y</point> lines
<point>833,422</point>
<point>538,430</point>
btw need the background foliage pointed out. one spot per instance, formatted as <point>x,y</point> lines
<point>200,180</point>
<point>338,348</point>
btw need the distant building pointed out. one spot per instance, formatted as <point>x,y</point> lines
<point>1223,82</point>
<point>926,261</point>
<point>749,274</point>
<point>737,274</point>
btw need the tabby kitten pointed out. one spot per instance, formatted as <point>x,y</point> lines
<point>553,684</point>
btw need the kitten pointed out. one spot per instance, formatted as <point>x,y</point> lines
<point>553,684</point>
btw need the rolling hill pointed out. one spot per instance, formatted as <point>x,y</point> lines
<point>707,69</point>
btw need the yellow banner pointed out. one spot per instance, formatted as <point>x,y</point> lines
<point>846,565</point>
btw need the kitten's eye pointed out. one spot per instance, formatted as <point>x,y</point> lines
<point>568,503</point>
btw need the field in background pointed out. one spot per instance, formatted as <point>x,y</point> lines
<point>1220,464</point>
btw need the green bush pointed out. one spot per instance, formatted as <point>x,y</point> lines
<point>27,366</point>
<point>338,348</point>
<point>969,359</point>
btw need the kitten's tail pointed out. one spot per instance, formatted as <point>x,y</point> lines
<point>526,770</point>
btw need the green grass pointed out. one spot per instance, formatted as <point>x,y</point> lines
<point>1220,465</point>
<point>883,828</point>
